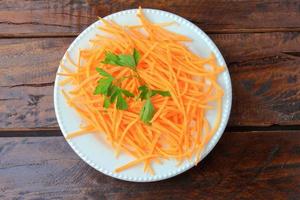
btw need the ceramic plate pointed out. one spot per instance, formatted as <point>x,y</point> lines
<point>96,152</point>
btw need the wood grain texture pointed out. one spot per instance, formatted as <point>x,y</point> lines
<point>44,17</point>
<point>251,165</point>
<point>265,71</point>
<point>264,68</point>
<point>27,72</point>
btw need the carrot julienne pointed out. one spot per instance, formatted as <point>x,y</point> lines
<point>179,128</point>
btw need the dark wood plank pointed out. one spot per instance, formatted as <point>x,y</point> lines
<point>265,71</point>
<point>25,18</point>
<point>264,67</point>
<point>27,72</point>
<point>252,165</point>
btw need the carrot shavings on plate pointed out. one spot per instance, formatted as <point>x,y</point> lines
<point>173,124</point>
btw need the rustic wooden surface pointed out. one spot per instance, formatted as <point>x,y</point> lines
<point>59,18</point>
<point>254,166</point>
<point>260,41</point>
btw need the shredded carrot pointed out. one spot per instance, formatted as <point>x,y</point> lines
<point>133,163</point>
<point>179,129</point>
<point>80,132</point>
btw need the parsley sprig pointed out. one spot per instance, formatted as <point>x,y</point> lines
<point>148,110</point>
<point>108,85</point>
<point>111,91</point>
<point>124,60</point>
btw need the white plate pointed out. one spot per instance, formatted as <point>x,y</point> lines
<point>97,153</point>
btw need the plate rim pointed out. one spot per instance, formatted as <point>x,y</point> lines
<point>214,140</point>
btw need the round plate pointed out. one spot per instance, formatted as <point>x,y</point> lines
<point>96,152</point>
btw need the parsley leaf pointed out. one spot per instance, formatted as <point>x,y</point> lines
<point>103,73</point>
<point>147,112</point>
<point>106,103</point>
<point>144,92</point>
<point>112,92</point>
<point>160,92</point>
<point>127,93</point>
<point>115,94</point>
<point>121,103</point>
<point>136,56</point>
<point>103,85</point>
<point>118,92</point>
<point>110,58</point>
<point>125,60</point>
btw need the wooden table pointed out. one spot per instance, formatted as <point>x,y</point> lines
<point>257,158</point>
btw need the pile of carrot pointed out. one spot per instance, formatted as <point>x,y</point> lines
<point>179,129</point>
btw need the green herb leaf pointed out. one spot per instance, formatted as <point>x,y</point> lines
<point>106,103</point>
<point>103,86</point>
<point>103,73</point>
<point>111,90</point>
<point>110,58</point>
<point>115,94</point>
<point>144,92</point>
<point>97,90</point>
<point>126,61</point>
<point>160,92</point>
<point>121,103</point>
<point>127,93</point>
<point>136,56</point>
<point>143,88</point>
<point>147,111</point>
